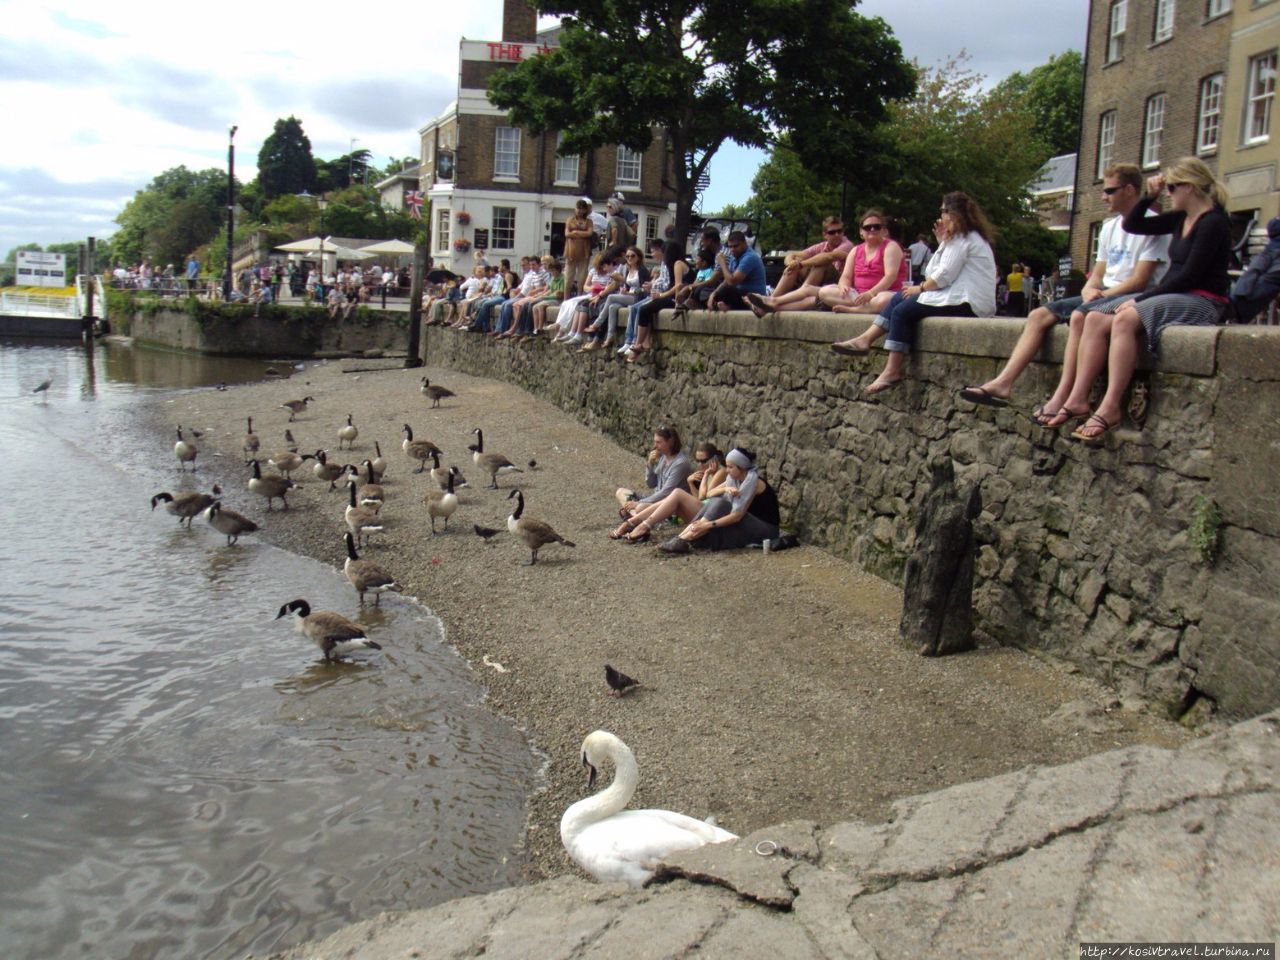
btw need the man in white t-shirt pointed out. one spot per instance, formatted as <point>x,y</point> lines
<point>1127,264</point>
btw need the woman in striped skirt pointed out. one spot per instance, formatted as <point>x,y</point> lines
<point>1193,290</point>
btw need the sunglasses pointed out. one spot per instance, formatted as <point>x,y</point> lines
<point>701,459</point>
<point>1108,191</point>
<point>835,232</point>
<point>1173,187</point>
<point>873,226</point>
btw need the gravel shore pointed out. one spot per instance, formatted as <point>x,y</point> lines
<point>773,687</point>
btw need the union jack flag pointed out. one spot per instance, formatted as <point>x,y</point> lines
<point>413,200</point>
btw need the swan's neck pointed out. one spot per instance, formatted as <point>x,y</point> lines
<point>612,799</point>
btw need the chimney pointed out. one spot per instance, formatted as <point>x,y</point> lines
<point>519,21</point>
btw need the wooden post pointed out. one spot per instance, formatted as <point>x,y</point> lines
<point>415,307</point>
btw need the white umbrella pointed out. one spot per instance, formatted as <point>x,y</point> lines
<point>314,245</point>
<point>310,245</point>
<point>392,247</point>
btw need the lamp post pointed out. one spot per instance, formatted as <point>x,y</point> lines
<point>231,211</point>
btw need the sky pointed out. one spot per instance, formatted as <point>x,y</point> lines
<point>100,98</point>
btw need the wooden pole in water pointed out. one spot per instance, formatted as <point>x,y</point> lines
<point>414,358</point>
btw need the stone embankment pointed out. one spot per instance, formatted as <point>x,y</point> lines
<point>1151,563</point>
<point>1139,844</point>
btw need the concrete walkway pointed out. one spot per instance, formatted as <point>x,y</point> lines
<point>1139,844</point>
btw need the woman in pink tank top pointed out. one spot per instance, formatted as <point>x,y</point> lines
<point>872,274</point>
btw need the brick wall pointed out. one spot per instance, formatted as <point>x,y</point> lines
<point>1173,67</point>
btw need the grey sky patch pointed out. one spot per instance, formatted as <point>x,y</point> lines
<point>374,105</point>
<point>87,28</point>
<point>32,61</point>
<point>36,186</point>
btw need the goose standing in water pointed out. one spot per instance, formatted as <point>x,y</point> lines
<point>612,843</point>
<point>435,394</point>
<point>186,506</point>
<point>534,533</point>
<point>420,450</point>
<point>332,632</point>
<point>347,434</point>
<point>441,503</point>
<point>270,486</point>
<point>229,523</point>
<point>361,521</point>
<point>365,575</point>
<point>296,407</point>
<point>185,452</point>
<point>492,463</point>
<point>251,442</point>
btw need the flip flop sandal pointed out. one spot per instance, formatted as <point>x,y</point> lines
<point>1067,418</point>
<point>1095,439</point>
<point>848,351</point>
<point>983,398</point>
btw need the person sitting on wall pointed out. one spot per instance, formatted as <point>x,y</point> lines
<point>575,312</point>
<point>699,292</point>
<point>816,265</point>
<point>628,288</point>
<point>1193,291</point>
<point>534,288</point>
<point>960,281</point>
<point>667,287</point>
<point>667,469</point>
<point>482,310</point>
<point>536,315</point>
<point>1127,264</point>
<point>1260,282</point>
<point>743,273</point>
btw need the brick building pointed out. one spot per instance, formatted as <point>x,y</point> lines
<point>498,187</point>
<point>1172,78</point>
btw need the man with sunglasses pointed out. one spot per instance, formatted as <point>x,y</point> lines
<point>818,264</point>
<point>1127,264</point>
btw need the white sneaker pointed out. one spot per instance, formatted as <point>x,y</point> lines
<point>624,348</point>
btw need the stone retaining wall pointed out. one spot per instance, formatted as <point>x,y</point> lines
<point>1152,562</point>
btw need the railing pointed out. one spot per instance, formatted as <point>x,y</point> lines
<point>83,282</point>
<point>38,305</point>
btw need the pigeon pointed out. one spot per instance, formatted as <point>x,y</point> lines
<point>618,682</point>
<point>485,532</point>
<point>533,464</point>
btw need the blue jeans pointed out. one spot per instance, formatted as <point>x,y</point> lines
<point>902,316</point>
<point>504,316</point>
<point>481,322</point>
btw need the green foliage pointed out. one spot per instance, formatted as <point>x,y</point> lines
<point>1052,92</point>
<point>789,201</point>
<point>197,198</point>
<point>1027,241</point>
<point>707,71</point>
<point>350,168</point>
<point>285,164</point>
<point>291,210</point>
<point>1205,528</point>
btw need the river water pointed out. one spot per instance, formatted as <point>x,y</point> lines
<point>180,775</point>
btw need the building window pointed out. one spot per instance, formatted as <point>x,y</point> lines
<point>651,226</point>
<point>506,152</point>
<point>1095,235</point>
<point>1261,91</point>
<point>1153,131</point>
<point>502,229</point>
<point>442,229</point>
<point>1106,140</point>
<point>1163,28</point>
<point>566,167</point>
<point>1210,114</point>
<point>1217,8</point>
<point>628,173</point>
<point>1115,31</point>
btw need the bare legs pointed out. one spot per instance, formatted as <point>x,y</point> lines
<point>680,502</point>
<point>1110,339</point>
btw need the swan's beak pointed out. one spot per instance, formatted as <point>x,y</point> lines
<point>591,775</point>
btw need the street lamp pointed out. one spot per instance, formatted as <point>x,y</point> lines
<point>231,211</point>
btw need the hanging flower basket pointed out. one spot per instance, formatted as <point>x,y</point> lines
<point>463,217</point>
<point>462,246</point>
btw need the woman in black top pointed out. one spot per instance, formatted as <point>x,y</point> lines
<point>1193,290</point>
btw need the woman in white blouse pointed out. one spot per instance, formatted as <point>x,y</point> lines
<point>959,281</point>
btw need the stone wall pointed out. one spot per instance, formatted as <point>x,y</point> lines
<point>1151,562</point>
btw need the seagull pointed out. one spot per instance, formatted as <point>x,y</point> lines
<point>485,533</point>
<point>618,681</point>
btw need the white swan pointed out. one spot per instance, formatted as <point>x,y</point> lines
<point>613,844</point>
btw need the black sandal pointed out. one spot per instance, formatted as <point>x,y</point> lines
<point>644,535</point>
<point>627,526</point>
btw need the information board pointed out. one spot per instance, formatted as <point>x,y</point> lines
<point>36,269</point>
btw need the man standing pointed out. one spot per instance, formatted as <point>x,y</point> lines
<point>578,233</point>
<point>919,252</point>
<point>819,264</point>
<point>193,274</point>
<point>1127,264</point>
<point>743,273</point>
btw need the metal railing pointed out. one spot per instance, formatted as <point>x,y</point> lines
<point>38,305</point>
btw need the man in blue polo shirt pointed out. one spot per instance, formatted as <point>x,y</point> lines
<point>743,273</point>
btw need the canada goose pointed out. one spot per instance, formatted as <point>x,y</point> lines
<point>361,521</point>
<point>435,394</point>
<point>379,463</point>
<point>296,407</point>
<point>230,523</point>
<point>534,533</point>
<point>186,506</point>
<point>251,442</point>
<point>332,632</point>
<point>419,450</point>
<point>439,475</point>
<point>288,461</point>
<point>347,434</point>
<point>290,444</point>
<point>491,463</point>
<point>269,486</point>
<point>324,470</point>
<point>365,575</point>
<point>370,492</point>
<point>441,503</point>
<point>185,452</point>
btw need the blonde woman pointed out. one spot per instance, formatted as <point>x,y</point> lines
<point>1193,291</point>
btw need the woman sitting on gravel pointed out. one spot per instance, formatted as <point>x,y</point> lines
<point>667,469</point>
<point>709,471</point>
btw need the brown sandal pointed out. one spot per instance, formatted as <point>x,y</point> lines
<point>620,532</point>
<point>644,529</point>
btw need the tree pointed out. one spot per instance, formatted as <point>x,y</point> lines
<point>285,164</point>
<point>1052,92</point>
<point>707,71</point>
<point>145,220</point>
<point>789,201</point>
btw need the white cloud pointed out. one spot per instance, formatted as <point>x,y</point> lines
<point>101,98</point>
